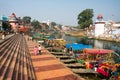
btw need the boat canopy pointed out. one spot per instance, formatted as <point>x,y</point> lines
<point>76,46</point>
<point>97,51</point>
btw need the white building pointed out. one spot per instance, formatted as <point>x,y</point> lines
<point>65,28</point>
<point>99,26</point>
<point>48,23</point>
<point>116,30</point>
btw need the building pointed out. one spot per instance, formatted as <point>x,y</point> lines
<point>104,29</point>
<point>3,19</point>
<point>99,26</point>
<point>46,23</point>
<point>44,26</point>
<point>13,22</point>
<point>66,28</point>
<point>116,30</point>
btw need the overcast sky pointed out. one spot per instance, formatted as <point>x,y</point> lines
<point>64,12</point>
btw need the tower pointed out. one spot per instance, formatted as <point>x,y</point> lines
<point>99,26</point>
<point>13,22</point>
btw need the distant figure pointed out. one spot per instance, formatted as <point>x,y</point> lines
<point>65,50</point>
<point>75,54</point>
<point>3,35</point>
<point>39,48</point>
<point>35,50</point>
<point>31,38</point>
<point>70,50</point>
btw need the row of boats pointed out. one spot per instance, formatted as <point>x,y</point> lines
<point>103,61</point>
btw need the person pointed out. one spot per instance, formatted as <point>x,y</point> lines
<point>65,50</point>
<point>39,48</point>
<point>75,54</point>
<point>35,50</point>
<point>70,50</point>
<point>3,35</point>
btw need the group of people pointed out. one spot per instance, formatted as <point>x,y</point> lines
<point>70,52</point>
<point>37,50</point>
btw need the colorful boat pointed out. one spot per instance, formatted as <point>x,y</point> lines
<point>97,51</point>
<point>101,59</point>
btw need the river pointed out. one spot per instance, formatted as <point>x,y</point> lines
<point>95,43</point>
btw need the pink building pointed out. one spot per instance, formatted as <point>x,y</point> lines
<point>13,22</point>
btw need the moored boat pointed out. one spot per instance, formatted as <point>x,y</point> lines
<point>102,61</point>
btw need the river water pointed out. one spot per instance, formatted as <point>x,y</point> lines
<point>95,43</point>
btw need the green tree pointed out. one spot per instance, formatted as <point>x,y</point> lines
<point>6,26</point>
<point>59,26</point>
<point>53,24</point>
<point>26,19</point>
<point>36,24</point>
<point>85,18</point>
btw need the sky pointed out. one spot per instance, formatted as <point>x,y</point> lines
<point>63,12</point>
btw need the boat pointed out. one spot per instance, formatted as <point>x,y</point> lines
<point>97,51</point>
<point>101,60</point>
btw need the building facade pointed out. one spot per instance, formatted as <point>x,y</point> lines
<point>99,26</point>
<point>13,22</point>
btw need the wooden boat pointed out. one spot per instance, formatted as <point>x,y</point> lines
<point>83,71</point>
<point>103,59</point>
<point>97,51</point>
<point>75,65</point>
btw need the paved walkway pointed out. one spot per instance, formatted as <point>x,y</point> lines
<point>47,67</point>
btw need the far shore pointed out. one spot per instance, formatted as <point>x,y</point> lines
<point>82,34</point>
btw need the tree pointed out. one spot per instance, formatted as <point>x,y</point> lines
<point>59,26</point>
<point>26,19</point>
<point>53,24</point>
<point>35,24</point>
<point>85,18</point>
<point>6,26</point>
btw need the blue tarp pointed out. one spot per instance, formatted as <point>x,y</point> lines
<point>77,46</point>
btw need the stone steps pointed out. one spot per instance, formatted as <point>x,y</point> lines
<point>15,60</point>
<point>75,65</point>
<point>7,61</point>
<point>78,68</point>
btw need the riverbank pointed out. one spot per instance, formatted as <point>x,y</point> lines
<point>82,34</point>
<point>108,39</point>
<point>76,33</point>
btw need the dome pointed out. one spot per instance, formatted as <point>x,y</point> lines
<point>100,16</point>
<point>13,14</point>
<point>13,18</point>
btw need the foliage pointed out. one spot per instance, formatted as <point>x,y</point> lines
<point>26,19</point>
<point>35,24</point>
<point>6,26</point>
<point>84,40</point>
<point>85,18</point>
<point>53,24</point>
<point>81,61</point>
<point>59,26</point>
<point>56,34</point>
